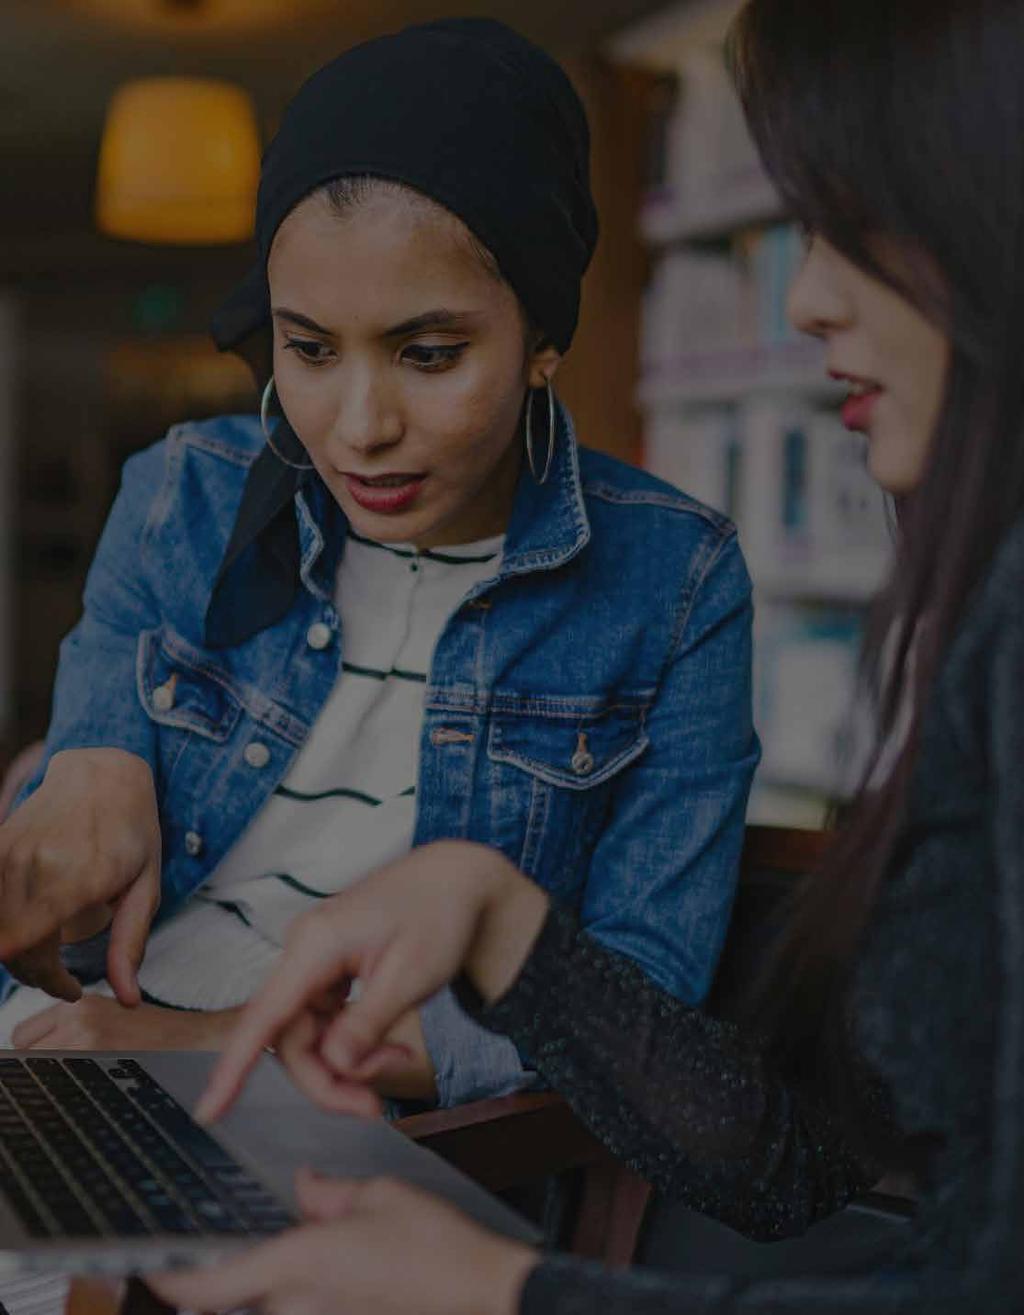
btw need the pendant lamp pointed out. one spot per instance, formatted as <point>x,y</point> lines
<point>179,163</point>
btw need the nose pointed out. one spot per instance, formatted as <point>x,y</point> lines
<point>366,418</point>
<point>817,303</point>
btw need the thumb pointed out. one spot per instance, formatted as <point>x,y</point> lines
<point>321,1198</point>
<point>388,993</point>
<point>129,931</point>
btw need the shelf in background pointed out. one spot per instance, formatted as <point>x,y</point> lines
<point>664,221</point>
<point>795,781</point>
<point>731,374</point>
<point>664,38</point>
<point>854,587</point>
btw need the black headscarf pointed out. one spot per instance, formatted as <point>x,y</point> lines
<point>474,116</point>
<point>469,113</point>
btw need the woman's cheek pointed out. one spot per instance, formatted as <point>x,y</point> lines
<point>308,409</point>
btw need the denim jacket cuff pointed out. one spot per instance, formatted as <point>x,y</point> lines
<point>470,1063</point>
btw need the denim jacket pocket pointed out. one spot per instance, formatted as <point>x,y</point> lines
<point>553,764</point>
<point>180,687</point>
<point>577,749</point>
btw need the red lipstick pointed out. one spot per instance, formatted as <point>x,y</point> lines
<point>860,405</point>
<point>386,499</point>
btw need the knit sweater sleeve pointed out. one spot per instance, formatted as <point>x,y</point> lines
<point>687,1100</point>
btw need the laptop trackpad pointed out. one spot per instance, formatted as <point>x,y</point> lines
<point>278,1131</point>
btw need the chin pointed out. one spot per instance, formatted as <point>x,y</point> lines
<point>890,467</point>
<point>410,527</point>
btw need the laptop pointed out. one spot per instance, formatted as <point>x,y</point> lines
<point>103,1169</point>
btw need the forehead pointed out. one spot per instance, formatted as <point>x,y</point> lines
<point>388,258</point>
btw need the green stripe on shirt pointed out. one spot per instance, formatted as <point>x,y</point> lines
<point>375,674</point>
<point>298,796</point>
<point>295,884</point>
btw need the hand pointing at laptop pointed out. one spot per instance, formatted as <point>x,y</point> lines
<point>82,852</point>
<point>404,932</point>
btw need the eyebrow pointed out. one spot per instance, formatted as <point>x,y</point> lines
<point>439,318</point>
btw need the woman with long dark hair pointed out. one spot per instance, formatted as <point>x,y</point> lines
<point>890,1029</point>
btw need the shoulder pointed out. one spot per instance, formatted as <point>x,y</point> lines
<point>208,459</point>
<point>235,440</point>
<point>182,494</point>
<point>999,628</point>
<point>993,618</point>
<point>614,483</point>
<point>1004,585</point>
<point>232,439</point>
<point>981,678</point>
<point>647,527</point>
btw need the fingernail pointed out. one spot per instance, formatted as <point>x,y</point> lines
<point>203,1111</point>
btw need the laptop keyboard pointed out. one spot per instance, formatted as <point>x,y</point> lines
<point>88,1151</point>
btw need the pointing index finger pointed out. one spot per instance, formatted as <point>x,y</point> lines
<point>296,981</point>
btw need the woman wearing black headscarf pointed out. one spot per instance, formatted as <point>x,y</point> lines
<point>402,604</point>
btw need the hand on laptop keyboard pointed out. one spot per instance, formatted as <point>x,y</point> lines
<point>371,1248</point>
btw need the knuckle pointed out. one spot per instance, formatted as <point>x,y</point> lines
<point>49,856</point>
<point>21,854</point>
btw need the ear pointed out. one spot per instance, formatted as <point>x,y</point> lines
<point>542,364</point>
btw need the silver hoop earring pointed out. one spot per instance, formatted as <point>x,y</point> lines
<point>541,478</point>
<point>265,426</point>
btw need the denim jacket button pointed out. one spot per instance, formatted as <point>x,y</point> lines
<point>582,763</point>
<point>256,754</point>
<point>318,636</point>
<point>163,696</point>
<point>193,844</point>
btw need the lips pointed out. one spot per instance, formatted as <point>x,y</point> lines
<point>860,405</point>
<point>385,494</point>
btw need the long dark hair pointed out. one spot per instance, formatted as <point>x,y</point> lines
<point>899,127</point>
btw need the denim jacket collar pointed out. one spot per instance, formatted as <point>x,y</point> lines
<point>549,523</point>
<point>289,533</point>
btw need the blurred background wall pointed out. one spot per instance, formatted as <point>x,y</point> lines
<point>683,359</point>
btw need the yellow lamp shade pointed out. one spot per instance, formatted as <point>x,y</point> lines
<point>179,163</point>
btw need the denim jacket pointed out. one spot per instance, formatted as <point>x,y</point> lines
<point>588,710</point>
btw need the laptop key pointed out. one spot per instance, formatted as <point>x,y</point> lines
<point>73,1218</point>
<point>23,1206</point>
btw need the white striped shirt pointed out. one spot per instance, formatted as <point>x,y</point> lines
<point>348,803</point>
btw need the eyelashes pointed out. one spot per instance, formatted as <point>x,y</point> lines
<point>426,357</point>
<point>307,349</point>
<point>434,358</point>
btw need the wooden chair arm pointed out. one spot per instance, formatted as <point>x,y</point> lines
<point>513,1140</point>
<point>783,849</point>
<point>509,1140</point>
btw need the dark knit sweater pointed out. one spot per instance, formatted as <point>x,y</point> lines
<point>936,1011</point>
